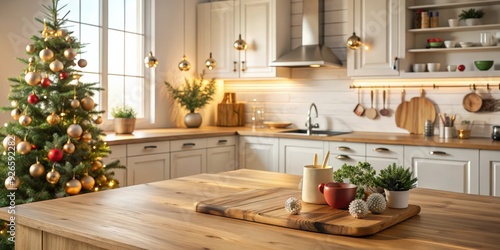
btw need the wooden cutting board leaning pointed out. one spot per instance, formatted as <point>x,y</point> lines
<point>413,114</point>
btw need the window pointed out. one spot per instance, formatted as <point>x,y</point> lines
<point>114,35</point>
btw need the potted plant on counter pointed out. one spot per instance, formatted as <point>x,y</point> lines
<point>124,119</point>
<point>193,95</point>
<point>361,175</point>
<point>471,16</point>
<point>396,182</point>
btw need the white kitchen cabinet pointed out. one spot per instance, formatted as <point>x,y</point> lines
<point>381,26</point>
<point>118,152</point>
<point>489,167</point>
<point>295,154</point>
<point>260,153</point>
<point>381,155</point>
<point>349,153</point>
<point>188,157</point>
<point>448,169</point>
<point>263,24</point>
<point>221,154</point>
<point>148,162</point>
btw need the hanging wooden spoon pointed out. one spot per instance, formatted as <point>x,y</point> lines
<point>371,113</point>
<point>384,111</point>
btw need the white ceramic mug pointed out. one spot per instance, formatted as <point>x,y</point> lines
<point>313,176</point>
<point>433,67</point>
<point>486,39</point>
<point>453,22</point>
<point>451,68</point>
<point>449,44</point>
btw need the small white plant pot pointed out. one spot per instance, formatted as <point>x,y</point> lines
<point>472,21</point>
<point>397,199</point>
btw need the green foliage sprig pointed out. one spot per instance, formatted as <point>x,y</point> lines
<point>123,112</point>
<point>193,95</point>
<point>471,13</point>
<point>361,175</point>
<point>396,178</point>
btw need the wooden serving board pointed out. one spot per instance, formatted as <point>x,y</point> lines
<point>413,114</point>
<point>268,206</point>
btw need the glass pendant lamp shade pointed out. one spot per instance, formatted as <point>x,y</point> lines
<point>354,42</point>
<point>210,63</point>
<point>184,65</point>
<point>150,61</point>
<point>240,44</point>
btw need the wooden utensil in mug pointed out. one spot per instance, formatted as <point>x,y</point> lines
<point>371,113</point>
<point>384,111</point>
<point>359,110</point>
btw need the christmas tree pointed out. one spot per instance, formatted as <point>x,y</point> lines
<point>53,147</point>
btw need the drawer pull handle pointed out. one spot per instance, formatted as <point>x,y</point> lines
<point>222,141</point>
<point>234,66</point>
<point>343,148</point>
<point>438,153</point>
<point>150,146</point>
<point>342,157</point>
<point>189,144</point>
<point>381,149</point>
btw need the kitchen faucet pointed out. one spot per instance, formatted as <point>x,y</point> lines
<point>310,126</point>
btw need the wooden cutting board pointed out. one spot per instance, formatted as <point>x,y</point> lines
<point>413,114</point>
<point>268,206</point>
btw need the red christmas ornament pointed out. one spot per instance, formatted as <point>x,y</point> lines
<point>63,75</point>
<point>33,146</point>
<point>461,67</point>
<point>33,99</point>
<point>45,82</point>
<point>55,154</point>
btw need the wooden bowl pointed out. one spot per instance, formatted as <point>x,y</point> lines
<point>273,125</point>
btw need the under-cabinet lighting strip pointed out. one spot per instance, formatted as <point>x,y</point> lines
<point>433,86</point>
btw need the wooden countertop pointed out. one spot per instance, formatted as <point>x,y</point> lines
<point>161,215</point>
<point>151,135</point>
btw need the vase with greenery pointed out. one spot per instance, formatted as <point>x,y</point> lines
<point>124,119</point>
<point>396,182</point>
<point>471,16</point>
<point>361,175</point>
<point>193,95</point>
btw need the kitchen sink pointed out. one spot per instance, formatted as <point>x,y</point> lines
<point>315,132</point>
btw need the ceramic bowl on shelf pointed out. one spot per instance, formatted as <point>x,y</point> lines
<point>433,67</point>
<point>419,67</point>
<point>465,44</point>
<point>449,44</point>
<point>483,65</point>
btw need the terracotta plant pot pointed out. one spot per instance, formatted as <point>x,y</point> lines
<point>397,199</point>
<point>124,125</point>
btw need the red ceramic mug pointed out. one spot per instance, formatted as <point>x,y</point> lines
<point>337,194</point>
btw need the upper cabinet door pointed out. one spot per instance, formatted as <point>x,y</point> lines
<point>380,24</point>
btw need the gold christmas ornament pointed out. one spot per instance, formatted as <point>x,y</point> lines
<point>53,119</point>
<point>184,64</point>
<point>210,63</point>
<point>86,137</point>
<point>75,103</point>
<point>62,32</point>
<point>56,66</point>
<point>96,165</point>
<point>53,176</point>
<point>12,183</point>
<point>70,53</point>
<point>87,103</point>
<point>87,182</point>
<point>24,147</point>
<point>98,120</point>
<point>73,186</point>
<point>69,39</point>
<point>74,130</point>
<point>82,63</point>
<point>69,147</point>
<point>15,113</point>
<point>37,169</point>
<point>31,60</point>
<point>8,140</point>
<point>101,179</point>
<point>33,78</point>
<point>25,120</point>
<point>30,48</point>
<point>46,55</point>
<point>354,42</point>
<point>150,61</point>
<point>85,123</point>
<point>240,44</point>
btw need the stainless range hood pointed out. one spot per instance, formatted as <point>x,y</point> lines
<point>312,53</point>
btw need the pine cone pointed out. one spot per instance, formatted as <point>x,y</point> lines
<point>376,203</point>
<point>358,208</point>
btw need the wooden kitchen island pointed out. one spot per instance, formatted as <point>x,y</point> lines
<point>161,215</point>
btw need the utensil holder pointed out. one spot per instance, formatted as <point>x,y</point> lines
<point>313,176</point>
<point>449,132</point>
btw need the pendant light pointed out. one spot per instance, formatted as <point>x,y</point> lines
<point>210,63</point>
<point>150,61</point>
<point>239,44</point>
<point>184,65</point>
<point>354,42</point>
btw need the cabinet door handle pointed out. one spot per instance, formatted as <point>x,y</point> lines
<point>381,149</point>
<point>234,66</point>
<point>222,141</point>
<point>189,144</point>
<point>243,66</point>
<point>438,153</point>
<point>394,65</point>
<point>342,157</point>
<point>150,146</point>
<point>343,148</point>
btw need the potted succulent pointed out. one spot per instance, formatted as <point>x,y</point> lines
<point>471,16</point>
<point>361,175</point>
<point>124,119</point>
<point>396,182</point>
<point>193,95</point>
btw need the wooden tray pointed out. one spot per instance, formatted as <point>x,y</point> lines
<point>268,206</point>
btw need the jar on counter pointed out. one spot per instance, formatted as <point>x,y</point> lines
<point>428,128</point>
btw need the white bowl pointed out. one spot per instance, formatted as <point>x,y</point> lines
<point>419,67</point>
<point>465,44</point>
<point>449,44</point>
<point>433,67</point>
